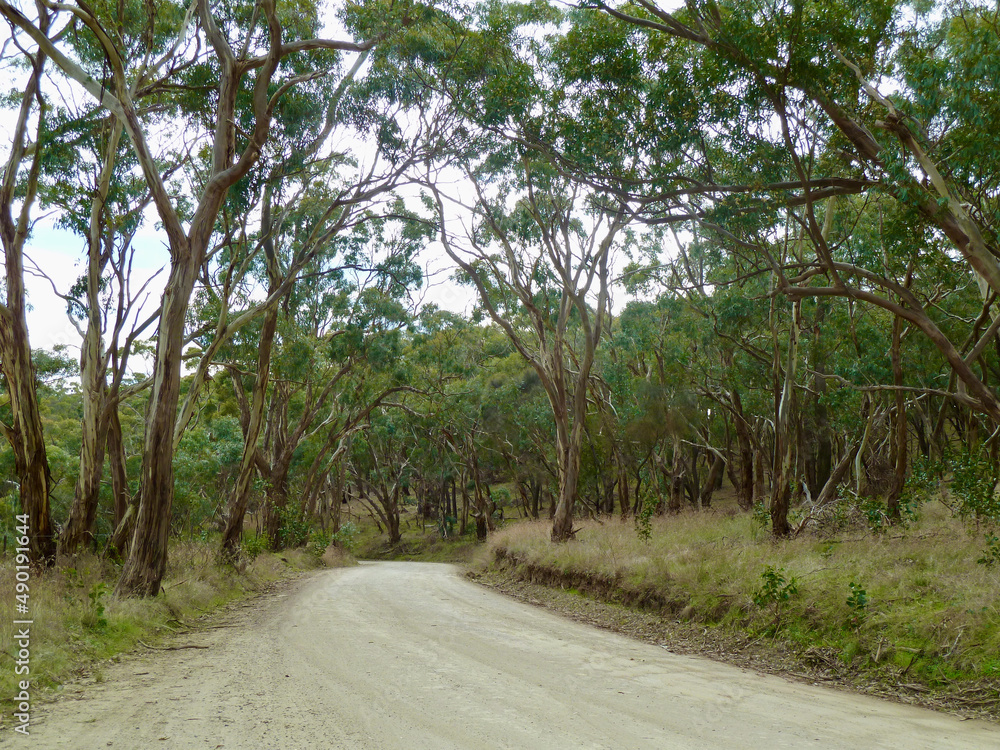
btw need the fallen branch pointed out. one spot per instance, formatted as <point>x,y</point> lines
<point>170,648</point>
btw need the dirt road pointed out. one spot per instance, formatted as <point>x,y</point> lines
<point>412,656</point>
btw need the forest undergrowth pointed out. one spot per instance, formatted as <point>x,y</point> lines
<point>911,611</point>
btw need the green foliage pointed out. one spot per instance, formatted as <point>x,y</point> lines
<point>760,514</point>
<point>205,463</point>
<point>253,544</point>
<point>775,589</point>
<point>875,514</point>
<point>973,483</point>
<point>644,520</point>
<point>95,617</point>
<point>858,603</point>
<point>346,536</point>
<point>294,527</point>
<point>318,543</point>
<point>991,555</point>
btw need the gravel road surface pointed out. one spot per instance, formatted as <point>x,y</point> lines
<point>411,656</point>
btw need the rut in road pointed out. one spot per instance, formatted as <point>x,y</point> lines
<point>412,656</point>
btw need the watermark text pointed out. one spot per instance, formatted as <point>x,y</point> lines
<point>22,627</point>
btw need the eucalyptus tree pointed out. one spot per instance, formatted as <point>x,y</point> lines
<point>540,245</point>
<point>20,180</point>
<point>811,68</point>
<point>319,212</point>
<point>539,264</point>
<point>338,331</point>
<point>256,54</point>
<point>86,175</point>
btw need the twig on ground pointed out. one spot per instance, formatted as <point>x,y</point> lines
<point>170,648</point>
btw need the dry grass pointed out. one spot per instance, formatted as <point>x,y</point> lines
<point>929,612</point>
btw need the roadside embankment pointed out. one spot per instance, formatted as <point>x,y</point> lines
<point>907,614</point>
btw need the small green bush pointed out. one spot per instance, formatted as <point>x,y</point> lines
<point>95,618</point>
<point>346,536</point>
<point>318,542</point>
<point>254,544</point>
<point>858,602</point>
<point>991,555</point>
<point>775,588</point>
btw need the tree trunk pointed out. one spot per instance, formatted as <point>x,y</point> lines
<point>464,521</point>
<point>83,513</point>
<point>119,471</point>
<point>80,527</point>
<point>624,496</point>
<point>25,431</point>
<point>147,560</point>
<point>899,425</point>
<point>392,517</point>
<point>276,501</point>
<point>784,435</point>
<point>676,478</point>
<point>759,486</point>
<point>338,499</point>
<point>711,482</point>
<point>823,464</point>
<point>233,532</point>
<point>745,485</point>
<point>93,366</point>
<point>569,476</point>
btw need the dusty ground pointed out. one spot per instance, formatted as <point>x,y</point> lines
<point>411,655</point>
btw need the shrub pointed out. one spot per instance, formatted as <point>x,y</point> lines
<point>318,542</point>
<point>254,544</point>
<point>991,555</point>
<point>346,536</point>
<point>858,602</point>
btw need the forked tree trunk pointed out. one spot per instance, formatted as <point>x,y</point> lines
<point>25,432</point>
<point>484,506</point>
<point>93,365</point>
<point>392,517</point>
<point>711,482</point>
<point>569,445</point>
<point>79,528</point>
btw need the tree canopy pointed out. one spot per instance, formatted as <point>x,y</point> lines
<point>726,246</point>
